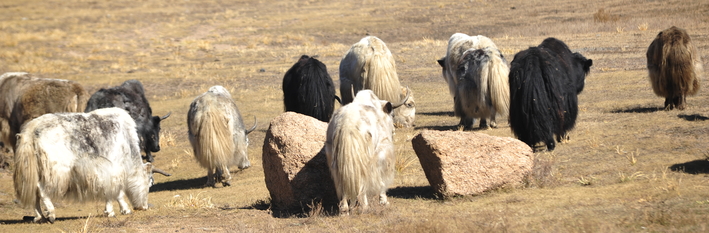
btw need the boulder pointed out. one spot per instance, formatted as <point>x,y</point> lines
<point>294,163</point>
<point>469,163</point>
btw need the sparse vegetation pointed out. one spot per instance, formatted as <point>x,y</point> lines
<point>613,176</point>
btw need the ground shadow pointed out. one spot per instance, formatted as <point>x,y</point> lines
<point>700,166</point>
<point>693,117</point>
<point>180,184</point>
<point>29,219</point>
<point>638,110</point>
<point>446,113</point>
<point>438,127</point>
<point>425,192</point>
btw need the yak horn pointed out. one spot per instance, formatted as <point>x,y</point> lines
<point>158,170</point>
<point>338,99</point>
<point>165,117</point>
<point>408,93</point>
<point>252,127</point>
<point>352,92</point>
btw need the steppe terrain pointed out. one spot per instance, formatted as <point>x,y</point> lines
<point>629,167</point>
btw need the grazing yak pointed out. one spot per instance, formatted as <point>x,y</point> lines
<point>81,156</point>
<point>130,96</point>
<point>369,65</point>
<point>217,134</point>
<point>544,84</point>
<point>308,89</point>
<point>675,67</point>
<point>477,77</point>
<point>360,150</point>
<point>25,97</point>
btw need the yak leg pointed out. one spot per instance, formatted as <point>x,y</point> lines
<point>344,207</point>
<point>669,105</point>
<point>223,176</point>
<point>210,178</point>
<point>39,217</point>
<point>364,202</point>
<point>109,208</point>
<point>51,216</point>
<point>125,208</point>
<point>679,102</point>
<point>467,122</point>
<point>383,198</point>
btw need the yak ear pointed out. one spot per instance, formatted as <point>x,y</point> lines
<point>589,63</point>
<point>387,107</point>
<point>442,62</point>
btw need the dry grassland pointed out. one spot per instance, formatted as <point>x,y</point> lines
<point>628,168</point>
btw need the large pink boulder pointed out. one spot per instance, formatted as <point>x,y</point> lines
<point>294,163</point>
<point>468,163</point>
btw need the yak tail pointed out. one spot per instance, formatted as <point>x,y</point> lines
<point>26,176</point>
<point>497,73</point>
<point>678,64</point>
<point>215,145</point>
<point>349,163</point>
<point>380,74</point>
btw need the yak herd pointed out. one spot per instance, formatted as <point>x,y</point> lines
<point>63,153</point>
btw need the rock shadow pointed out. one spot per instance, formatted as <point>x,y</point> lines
<point>700,166</point>
<point>417,192</point>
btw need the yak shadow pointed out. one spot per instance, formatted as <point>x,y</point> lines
<point>418,192</point>
<point>446,113</point>
<point>638,110</point>
<point>693,117</point>
<point>194,183</point>
<point>29,219</point>
<point>438,127</point>
<point>700,166</point>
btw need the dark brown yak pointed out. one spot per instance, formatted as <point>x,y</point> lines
<point>674,65</point>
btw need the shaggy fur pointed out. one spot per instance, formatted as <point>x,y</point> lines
<point>217,134</point>
<point>369,65</point>
<point>675,67</point>
<point>131,96</point>
<point>80,156</point>
<point>25,97</point>
<point>308,89</point>
<point>477,77</point>
<point>544,84</point>
<point>360,150</point>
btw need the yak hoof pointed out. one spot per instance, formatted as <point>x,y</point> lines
<point>126,211</point>
<point>226,183</point>
<point>110,214</point>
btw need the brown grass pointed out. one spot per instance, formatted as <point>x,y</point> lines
<point>627,168</point>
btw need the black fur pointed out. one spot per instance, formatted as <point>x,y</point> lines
<point>544,84</point>
<point>131,96</point>
<point>308,89</point>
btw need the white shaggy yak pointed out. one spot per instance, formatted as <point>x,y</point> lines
<point>217,134</point>
<point>81,156</point>
<point>360,150</point>
<point>369,65</point>
<point>477,76</point>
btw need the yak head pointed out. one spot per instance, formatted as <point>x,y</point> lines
<point>151,136</point>
<point>581,67</point>
<point>405,114</point>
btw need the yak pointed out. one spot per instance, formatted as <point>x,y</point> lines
<point>675,67</point>
<point>477,77</point>
<point>368,64</point>
<point>81,156</point>
<point>25,97</point>
<point>544,84</point>
<point>217,135</point>
<point>308,89</point>
<point>360,150</point>
<point>130,96</point>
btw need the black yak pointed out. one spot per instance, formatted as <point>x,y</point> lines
<point>544,84</point>
<point>309,90</point>
<point>674,66</point>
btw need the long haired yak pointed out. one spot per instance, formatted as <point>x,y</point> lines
<point>544,84</point>
<point>369,65</point>
<point>25,97</point>
<point>81,156</point>
<point>360,150</point>
<point>674,66</point>
<point>308,89</point>
<point>217,134</point>
<point>477,77</point>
